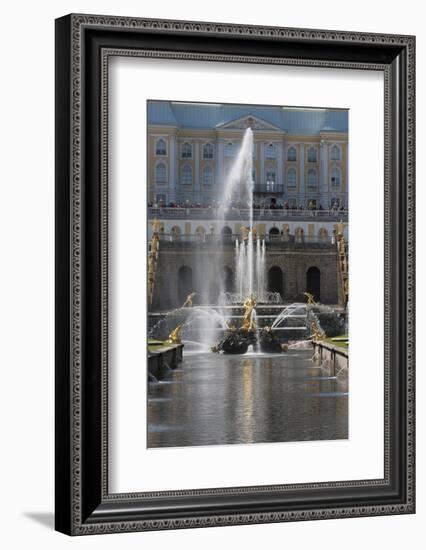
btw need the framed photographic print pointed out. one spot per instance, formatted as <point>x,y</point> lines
<point>234,274</point>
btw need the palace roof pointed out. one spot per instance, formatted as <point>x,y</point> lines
<point>301,120</point>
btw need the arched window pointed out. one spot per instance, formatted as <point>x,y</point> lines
<point>226,233</point>
<point>207,151</point>
<point>186,150</point>
<point>335,177</point>
<point>186,178</point>
<point>207,175</point>
<point>274,233</point>
<point>312,178</point>
<point>292,154</point>
<point>312,154</point>
<point>161,173</point>
<point>276,280</point>
<point>271,151</point>
<point>291,177</point>
<point>299,234</point>
<point>160,147</point>
<point>313,282</point>
<point>270,178</point>
<point>335,153</point>
<point>323,234</point>
<point>200,233</point>
<point>229,150</point>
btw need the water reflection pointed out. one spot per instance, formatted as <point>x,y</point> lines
<point>222,399</point>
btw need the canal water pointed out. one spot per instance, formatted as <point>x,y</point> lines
<point>215,399</point>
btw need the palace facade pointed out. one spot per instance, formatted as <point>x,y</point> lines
<point>300,156</point>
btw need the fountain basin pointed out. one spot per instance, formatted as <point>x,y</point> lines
<point>236,342</point>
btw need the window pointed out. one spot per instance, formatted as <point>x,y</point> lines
<point>253,175</point>
<point>312,154</point>
<point>335,153</point>
<point>187,151</point>
<point>186,178</point>
<point>229,150</point>
<point>271,151</point>
<point>207,175</point>
<point>207,151</point>
<point>334,202</point>
<point>335,177</point>
<point>270,179</point>
<point>254,151</point>
<point>291,178</point>
<point>312,178</point>
<point>161,173</point>
<point>161,198</point>
<point>291,154</point>
<point>160,147</point>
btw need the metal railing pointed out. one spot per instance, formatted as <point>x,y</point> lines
<point>259,214</point>
<point>230,239</point>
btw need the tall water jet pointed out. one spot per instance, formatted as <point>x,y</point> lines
<point>239,183</point>
<point>250,251</point>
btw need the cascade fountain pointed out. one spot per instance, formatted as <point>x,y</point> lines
<point>201,324</point>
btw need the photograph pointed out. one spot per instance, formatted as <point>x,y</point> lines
<point>247,273</point>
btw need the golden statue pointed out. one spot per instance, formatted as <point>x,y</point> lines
<point>244,232</point>
<point>188,301</point>
<point>317,332</point>
<point>175,337</point>
<point>156,226</point>
<point>310,298</point>
<point>249,323</point>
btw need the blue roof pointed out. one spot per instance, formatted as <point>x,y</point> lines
<point>212,115</point>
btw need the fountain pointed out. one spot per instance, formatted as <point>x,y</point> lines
<point>212,323</point>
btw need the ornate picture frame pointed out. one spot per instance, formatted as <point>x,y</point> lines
<point>84,44</point>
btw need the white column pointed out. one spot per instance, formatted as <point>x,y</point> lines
<point>280,157</point>
<point>197,183</point>
<point>301,194</point>
<point>177,173</point>
<point>324,175</point>
<point>172,168</point>
<point>262,164</point>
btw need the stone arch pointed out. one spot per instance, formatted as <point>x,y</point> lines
<point>228,279</point>
<point>185,283</point>
<point>226,233</point>
<point>175,232</point>
<point>299,234</point>
<point>276,280</point>
<point>322,234</point>
<point>274,233</point>
<point>313,282</point>
<point>200,233</point>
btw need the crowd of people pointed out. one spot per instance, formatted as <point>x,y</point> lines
<point>241,206</point>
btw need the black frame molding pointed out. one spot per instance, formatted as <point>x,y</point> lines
<point>84,43</point>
